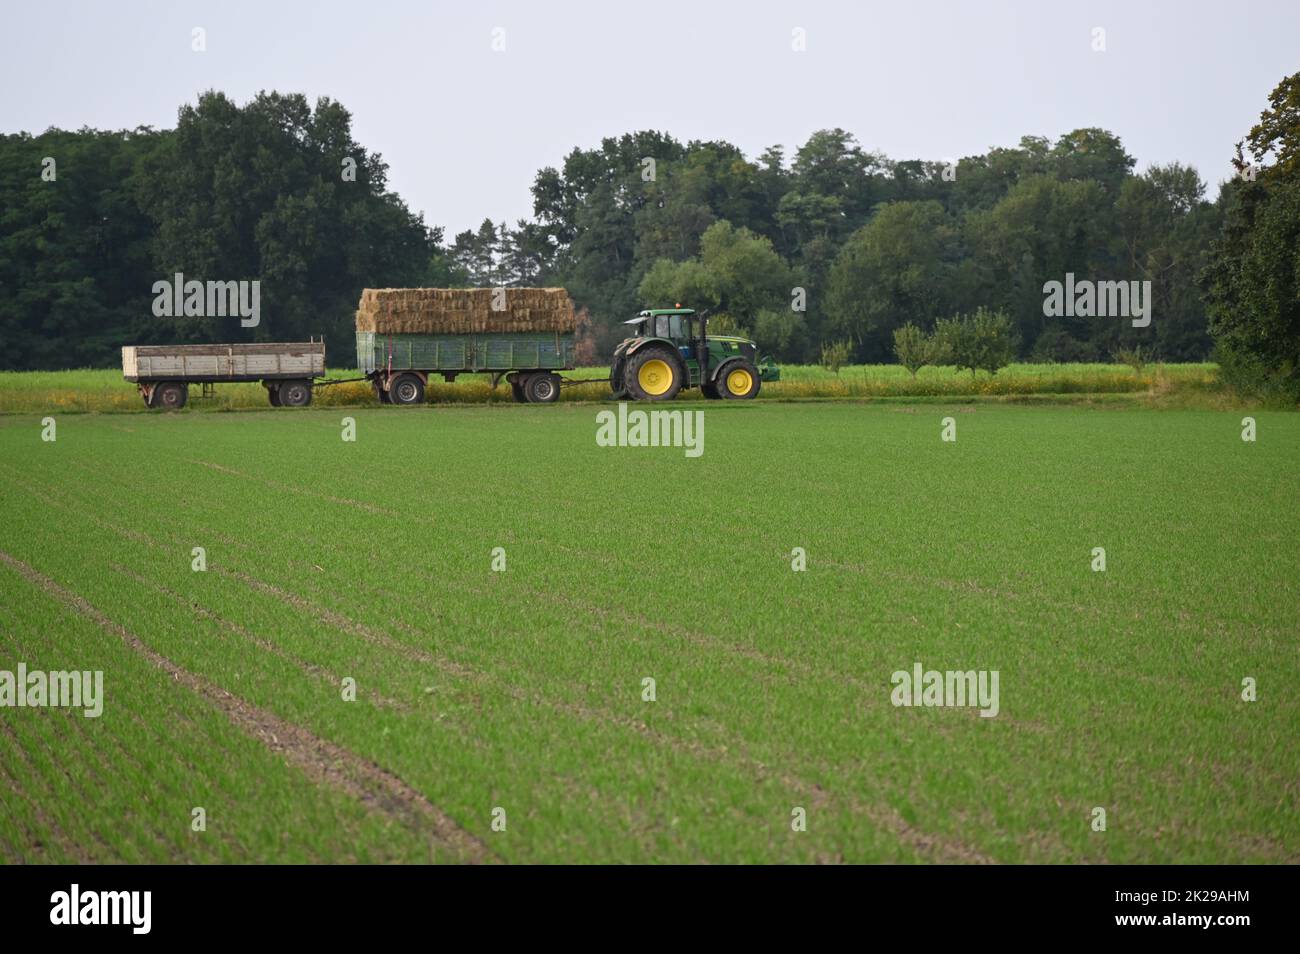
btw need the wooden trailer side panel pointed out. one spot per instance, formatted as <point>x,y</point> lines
<point>231,362</point>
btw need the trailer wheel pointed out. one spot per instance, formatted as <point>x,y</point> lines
<point>517,391</point>
<point>273,394</point>
<point>738,380</point>
<point>406,389</point>
<point>294,393</point>
<point>653,374</point>
<point>710,391</point>
<point>171,395</point>
<point>542,388</point>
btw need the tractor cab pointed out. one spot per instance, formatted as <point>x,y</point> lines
<point>670,349</point>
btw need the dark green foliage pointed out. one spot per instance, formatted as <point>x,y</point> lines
<point>983,341</point>
<point>1252,283</point>
<point>233,193</point>
<point>834,243</point>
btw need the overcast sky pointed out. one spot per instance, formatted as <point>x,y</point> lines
<point>464,128</point>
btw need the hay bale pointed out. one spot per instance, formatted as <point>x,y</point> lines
<point>430,311</point>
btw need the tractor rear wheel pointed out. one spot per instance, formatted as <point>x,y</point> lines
<point>653,374</point>
<point>406,389</point>
<point>738,380</point>
<point>542,388</point>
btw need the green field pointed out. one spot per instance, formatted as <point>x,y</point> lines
<point>106,390</point>
<point>523,689</point>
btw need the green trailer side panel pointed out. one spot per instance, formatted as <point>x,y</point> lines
<point>505,352</point>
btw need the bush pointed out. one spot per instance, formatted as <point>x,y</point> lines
<point>915,349</point>
<point>982,341</point>
<point>1133,357</point>
<point>1055,344</point>
<point>835,355</point>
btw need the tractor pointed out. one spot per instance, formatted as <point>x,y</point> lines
<point>671,349</point>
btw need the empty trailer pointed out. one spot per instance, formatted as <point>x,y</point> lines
<point>163,373</point>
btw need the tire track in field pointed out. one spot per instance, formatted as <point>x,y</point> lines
<point>149,729</point>
<point>728,749</point>
<point>291,488</point>
<point>302,665</point>
<point>732,750</point>
<point>734,754</point>
<point>321,760</point>
<point>71,845</point>
<point>95,751</point>
<point>702,640</point>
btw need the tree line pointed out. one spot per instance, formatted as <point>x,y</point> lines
<point>834,245</point>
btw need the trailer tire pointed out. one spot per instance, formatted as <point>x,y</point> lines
<point>170,395</point>
<point>738,380</point>
<point>294,393</point>
<point>710,391</point>
<point>517,392</point>
<point>406,389</point>
<point>653,374</point>
<point>542,388</point>
<point>273,394</point>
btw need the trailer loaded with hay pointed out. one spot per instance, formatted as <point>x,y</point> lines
<point>407,335</point>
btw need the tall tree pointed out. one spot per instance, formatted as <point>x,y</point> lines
<point>899,268</point>
<point>1253,280</point>
<point>279,192</point>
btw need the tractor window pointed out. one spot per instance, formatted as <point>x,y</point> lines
<point>677,326</point>
<point>661,326</point>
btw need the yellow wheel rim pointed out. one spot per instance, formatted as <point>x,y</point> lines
<point>655,377</point>
<point>739,381</point>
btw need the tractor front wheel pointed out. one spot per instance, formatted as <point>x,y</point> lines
<point>653,374</point>
<point>618,379</point>
<point>738,380</point>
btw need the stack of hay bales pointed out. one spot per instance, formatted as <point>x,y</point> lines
<point>459,311</point>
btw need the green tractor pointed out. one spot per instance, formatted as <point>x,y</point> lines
<point>671,349</point>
